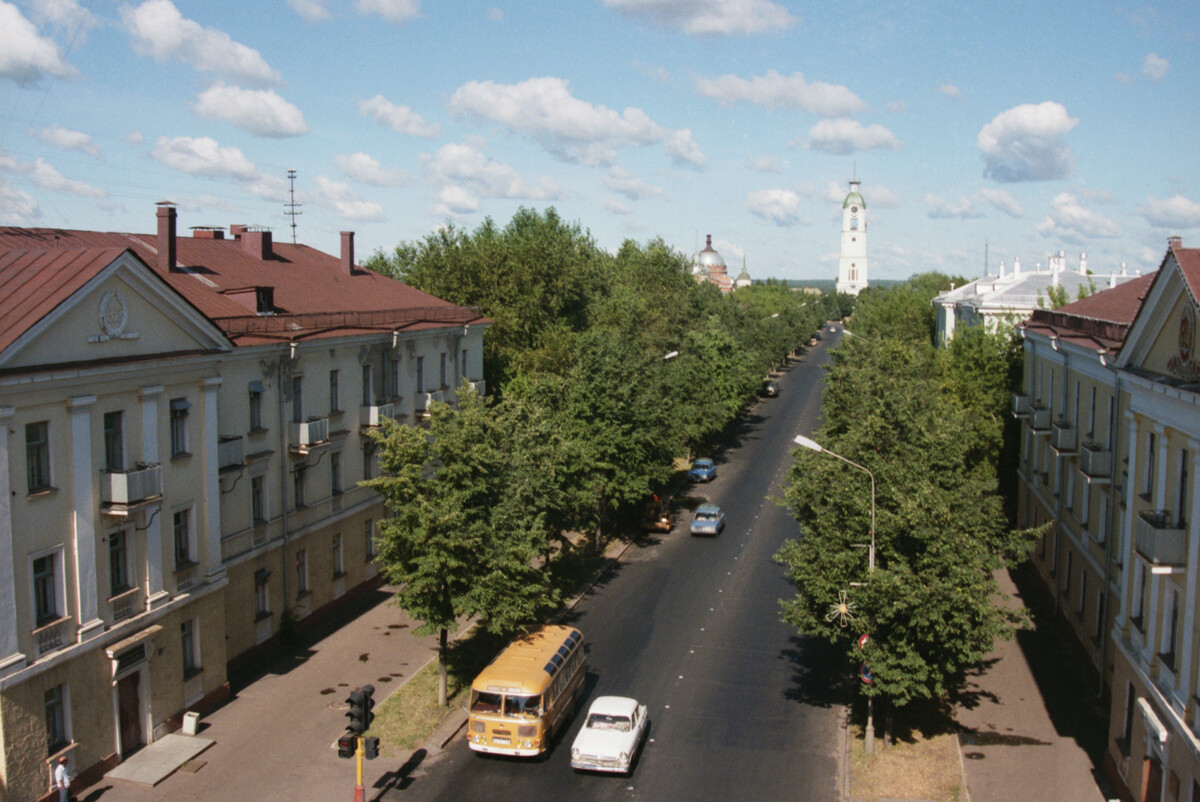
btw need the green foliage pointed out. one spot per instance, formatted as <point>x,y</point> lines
<point>928,425</point>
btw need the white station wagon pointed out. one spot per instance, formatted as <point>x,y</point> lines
<point>612,733</point>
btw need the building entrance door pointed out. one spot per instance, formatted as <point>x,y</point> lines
<point>129,708</point>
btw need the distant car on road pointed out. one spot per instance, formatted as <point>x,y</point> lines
<point>613,732</point>
<point>770,388</point>
<point>703,470</point>
<point>708,520</point>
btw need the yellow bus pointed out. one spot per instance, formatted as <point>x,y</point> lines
<point>527,692</point>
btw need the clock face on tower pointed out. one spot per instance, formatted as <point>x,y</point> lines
<point>853,210</point>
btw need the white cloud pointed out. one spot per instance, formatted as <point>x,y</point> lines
<point>778,206</point>
<point>203,156</point>
<point>67,15</point>
<point>709,17</point>
<point>401,119</point>
<point>58,137</point>
<point>626,183</point>
<point>545,110</point>
<point>366,170</point>
<point>1123,78</point>
<point>1176,212</point>
<point>1070,221</point>
<point>940,209</point>
<point>268,187</point>
<point>728,250</point>
<point>1002,201</point>
<point>843,136</point>
<point>259,111</point>
<point>310,10</point>
<point>26,55</point>
<point>1022,144</point>
<point>454,200</point>
<point>468,167</point>
<point>45,176</point>
<point>398,11</point>
<point>134,137</point>
<point>614,207</point>
<point>788,91</point>
<point>1155,67</point>
<point>896,107</point>
<point>157,30</point>
<point>765,164</point>
<point>346,202</point>
<point>656,73</point>
<point>17,208</point>
<point>951,91</point>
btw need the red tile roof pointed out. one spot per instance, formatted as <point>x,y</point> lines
<point>1189,267</point>
<point>313,296</point>
<point>1099,321</point>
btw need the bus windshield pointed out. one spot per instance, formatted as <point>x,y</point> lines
<point>483,702</point>
<point>522,705</point>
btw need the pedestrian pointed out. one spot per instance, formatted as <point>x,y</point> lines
<point>62,780</point>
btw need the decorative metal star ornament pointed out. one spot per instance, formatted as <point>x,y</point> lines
<point>842,610</point>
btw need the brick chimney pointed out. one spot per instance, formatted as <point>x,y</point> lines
<point>257,242</point>
<point>166,236</point>
<point>347,252</point>
<point>1174,242</point>
<point>236,229</point>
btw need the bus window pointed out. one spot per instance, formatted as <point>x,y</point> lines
<point>483,702</point>
<point>522,705</point>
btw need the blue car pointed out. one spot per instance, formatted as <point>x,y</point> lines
<point>703,470</point>
<point>708,520</point>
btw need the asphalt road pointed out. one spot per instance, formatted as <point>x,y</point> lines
<point>741,707</point>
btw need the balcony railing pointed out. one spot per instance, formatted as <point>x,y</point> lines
<point>480,387</point>
<point>53,636</point>
<point>374,414</point>
<point>1039,419</point>
<point>425,399</point>
<point>1160,542</point>
<point>1020,405</point>
<point>231,451</point>
<point>1095,461</point>
<point>1063,438</point>
<point>308,434</point>
<point>120,490</point>
<point>126,605</point>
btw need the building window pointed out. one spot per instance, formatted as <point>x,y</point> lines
<point>258,499</point>
<point>181,526</point>
<point>1139,594</point>
<point>464,363</point>
<point>393,367</point>
<point>442,371</point>
<point>114,445</point>
<point>337,555</point>
<point>179,427</point>
<point>1092,415</point>
<point>1082,591</point>
<point>298,485</point>
<point>256,406</point>
<point>420,374</point>
<point>368,394</point>
<point>37,456</point>
<point>1149,486</point>
<point>118,562</point>
<point>1171,635</point>
<point>54,701</point>
<point>368,460</point>
<point>1182,493</point>
<point>262,595</point>
<point>298,399</point>
<point>854,224</point>
<point>1099,627</point>
<point>47,571</point>
<point>190,642</point>
<point>334,401</point>
<point>301,572</point>
<point>335,473</point>
<point>369,533</point>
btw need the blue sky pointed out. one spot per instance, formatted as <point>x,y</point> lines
<point>1032,127</point>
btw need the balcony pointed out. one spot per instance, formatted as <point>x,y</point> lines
<point>1039,420</point>
<point>424,400</point>
<point>1063,438</point>
<point>480,387</point>
<point>1095,462</point>
<point>122,492</point>
<point>1020,405</point>
<point>1159,542</point>
<point>231,452</point>
<point>53,636</point>
<point>126,605</point>
<point>308,435</point>
<point>373,415</point>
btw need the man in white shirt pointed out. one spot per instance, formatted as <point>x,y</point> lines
<point>62,781</point>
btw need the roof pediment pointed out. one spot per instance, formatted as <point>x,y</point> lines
<point>1162,339</point>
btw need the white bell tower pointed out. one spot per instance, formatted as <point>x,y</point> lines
<point>852,263</point>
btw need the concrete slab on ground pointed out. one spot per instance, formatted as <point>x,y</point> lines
<point>157,761</point>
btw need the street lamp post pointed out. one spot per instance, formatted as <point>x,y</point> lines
<point>812,445</point>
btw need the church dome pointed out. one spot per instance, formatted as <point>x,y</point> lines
<point>709,258</point>
<point>855,198</point>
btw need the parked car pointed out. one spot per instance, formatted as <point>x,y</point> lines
<point>659,514</point>
<point>770,388</point>
<point>708,520</point>
<point>703,470</point>
<point>612,734</point>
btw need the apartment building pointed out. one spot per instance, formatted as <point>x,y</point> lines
<point>1110,415</point>
<point>185,426</point>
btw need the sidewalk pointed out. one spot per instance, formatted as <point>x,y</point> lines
<point>1030,727</point>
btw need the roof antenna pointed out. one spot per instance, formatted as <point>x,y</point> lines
<point>291,208</point>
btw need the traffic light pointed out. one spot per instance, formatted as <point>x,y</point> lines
<point>360,714</point>
<point>347,744</point>
<point>370,748</point>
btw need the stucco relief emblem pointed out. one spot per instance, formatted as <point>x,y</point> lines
<point>1185,365</point>
<point>114,317</point>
